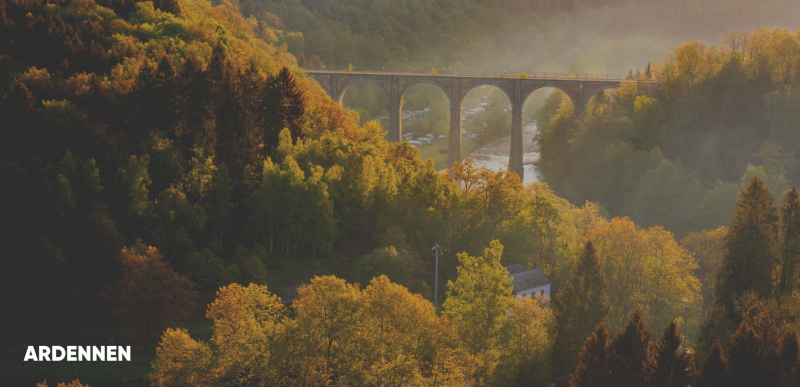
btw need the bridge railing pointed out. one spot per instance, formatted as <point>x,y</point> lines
<point>470,73</point>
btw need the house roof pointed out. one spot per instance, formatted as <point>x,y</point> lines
<point>515,268</point>
<point>528,279</point>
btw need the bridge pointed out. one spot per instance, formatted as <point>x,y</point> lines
<point>456,87</point>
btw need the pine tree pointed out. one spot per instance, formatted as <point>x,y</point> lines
<point>285,104</point>
<point>790,233</point>
<point>749,258</point>
<point>787,359</point>
<point>629,352</point>
<point>715,369</point>
<point>581,304</point>
<point>593,361</point>
<point>745,358</point>
<point>671,366</point>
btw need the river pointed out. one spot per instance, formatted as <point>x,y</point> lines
<point>495,154</point>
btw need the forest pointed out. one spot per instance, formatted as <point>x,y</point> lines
<point>172,180</point>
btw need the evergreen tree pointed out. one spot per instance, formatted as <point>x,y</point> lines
<point>285,104</point>
<point>715,369</point>
<point>749,258</point>
<point>581,304</point>
<point>745,358</point>
<point>593,361</point>
<point>787,357</point>
<point>747,264</point>
<point>790,233</point>
<point>671,364</point>
<point>629,352</point>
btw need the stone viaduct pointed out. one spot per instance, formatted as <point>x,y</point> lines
<point>456,88</point>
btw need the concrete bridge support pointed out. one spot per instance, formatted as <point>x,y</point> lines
<point>515,153</point>
<point>395,114</point>
<point>454,146</point>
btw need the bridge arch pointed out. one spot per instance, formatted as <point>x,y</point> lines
<point>568,93</point>
<point>343,88</point>
<point>594,92</point>
<point>503,86</point>
<point>403,89</point>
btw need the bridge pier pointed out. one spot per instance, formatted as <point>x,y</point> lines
<point>454,148</point>
<point>395,114</point>
<point>515,153</point>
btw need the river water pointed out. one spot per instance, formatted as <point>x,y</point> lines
<point>495,155</point>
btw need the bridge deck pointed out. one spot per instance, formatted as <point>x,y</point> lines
<point>467,76</point>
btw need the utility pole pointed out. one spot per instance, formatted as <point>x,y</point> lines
<point>437,249</point>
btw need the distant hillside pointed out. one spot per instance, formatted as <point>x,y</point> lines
<point>513,36</point>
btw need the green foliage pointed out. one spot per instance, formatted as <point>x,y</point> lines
<point>527,345</point>
<point>397,265</point>
<point>136,179</point>
<point>750,255</point>
<point>477,303</point>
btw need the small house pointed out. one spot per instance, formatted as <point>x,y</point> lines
<point>528,283</point>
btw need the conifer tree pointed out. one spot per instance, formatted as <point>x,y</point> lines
<point>593,361</point>
<point>747,264</point>
<point>285,104</point>
<point>790,233</point>
<point>787,357</point>
<point>749,258</point>
<point>630,352</point>
<point>745,358</point>
<point>715,369</point>
<point>671,365</point>
<point>581,304</point>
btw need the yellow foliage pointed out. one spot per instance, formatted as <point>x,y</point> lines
<point>181,361</point>
<point>646,269</point>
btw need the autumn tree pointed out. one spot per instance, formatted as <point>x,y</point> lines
<point>181,361</point>
<point>328,314</point>
<point>706,247</point>
<point>527,345</point>
<point>593,361</point>
<point>74,383</point>
<point>403,340</point>
<point>248,326</point>
<point>581,304</point>
<point>477,303</point>
<point>150,295</point>
<point>637,263</point>
<point>671,363</point>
